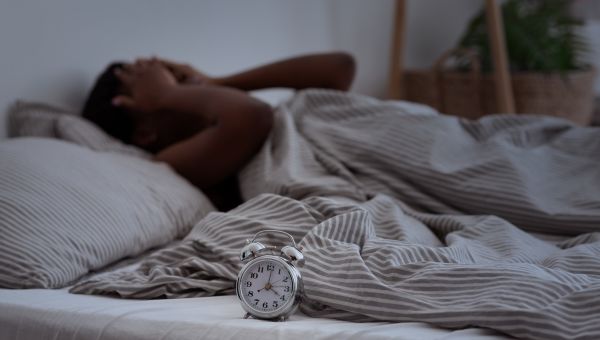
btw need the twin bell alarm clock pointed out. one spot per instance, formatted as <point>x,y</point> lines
<point>269,284</point>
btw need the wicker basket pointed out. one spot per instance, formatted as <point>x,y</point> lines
<point>471,94</point>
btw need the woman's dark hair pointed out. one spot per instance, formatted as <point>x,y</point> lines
<point>99,109</point>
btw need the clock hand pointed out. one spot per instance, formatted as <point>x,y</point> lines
<point>267,287</point>
<point>271,273</point>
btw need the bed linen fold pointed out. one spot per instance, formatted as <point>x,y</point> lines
<point>407,215</point>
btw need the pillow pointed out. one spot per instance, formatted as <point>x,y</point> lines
<point>66,210</point>
<point>78,130</point>
<point>43,120</point>
<point>33,119</point>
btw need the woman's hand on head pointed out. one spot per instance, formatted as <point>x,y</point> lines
<point>187,74</point>
<point>146,83</point>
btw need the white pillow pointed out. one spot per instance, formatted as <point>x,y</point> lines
<point>78,130</point>
<point>66,210</point>
<point>31,119</point>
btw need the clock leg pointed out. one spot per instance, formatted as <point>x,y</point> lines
<point>247,315</point>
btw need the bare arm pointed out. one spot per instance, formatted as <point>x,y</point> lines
<point>219,151</point>
<point>240,122</point>
<point>331,70</point>
<point>326,70</point>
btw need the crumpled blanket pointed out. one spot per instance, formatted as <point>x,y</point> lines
<point>408,215</point>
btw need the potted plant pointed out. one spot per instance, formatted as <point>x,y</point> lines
<point>544,53</point>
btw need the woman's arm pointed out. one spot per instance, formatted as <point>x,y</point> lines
<point>330,71</point>
<point>240,123</point>
<point>326,70</point>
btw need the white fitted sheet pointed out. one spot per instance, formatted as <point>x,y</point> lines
<point>57,314</point>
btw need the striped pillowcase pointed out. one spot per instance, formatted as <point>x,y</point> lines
<point>33,119</point>
<point>66,210</point>
<point>42,120</point>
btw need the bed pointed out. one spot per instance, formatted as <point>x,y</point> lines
<point>57,314</point>
<point>408,220</point>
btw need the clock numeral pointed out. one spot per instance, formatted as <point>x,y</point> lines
<point>248,284</point>
<point>282,298</point>
<point>275,304</point>
<point>256,301</point>
<point>265,305</point>
<point>285,280</point>
<point>286,288</point>
<point>250,293</point>
<point>270,267</point>
<point>253,275</point>
<point>279,271</point>
<point>261,269</point>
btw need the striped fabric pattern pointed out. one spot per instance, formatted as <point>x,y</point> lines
<point>32,119</point>
<point>409,216</point>
<point>66,210</point>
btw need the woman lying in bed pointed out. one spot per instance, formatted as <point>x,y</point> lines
<point>205,128</point>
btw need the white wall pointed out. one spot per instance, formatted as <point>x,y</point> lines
<point>433,27</point>
<point>51,50</point>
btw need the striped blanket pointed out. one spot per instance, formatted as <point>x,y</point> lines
<point>408,215</point>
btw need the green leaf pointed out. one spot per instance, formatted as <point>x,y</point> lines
<point>540,35</point>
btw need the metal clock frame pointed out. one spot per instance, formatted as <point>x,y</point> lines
<point>290,307</point>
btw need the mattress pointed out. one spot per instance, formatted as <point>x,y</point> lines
<point>57,314</point>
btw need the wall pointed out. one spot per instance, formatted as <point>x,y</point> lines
<point>52,50</point>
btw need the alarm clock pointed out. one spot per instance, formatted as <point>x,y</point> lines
<point>269,285</point>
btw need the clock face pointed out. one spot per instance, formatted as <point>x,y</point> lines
<point>266,286</point>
